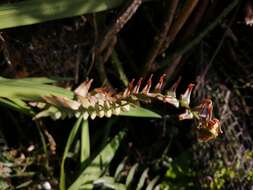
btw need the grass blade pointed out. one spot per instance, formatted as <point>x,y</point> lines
<point>119,169</point>
<point>85,142</point>
<point>152,183</point>
<point>130,176</point>
<point>94,169</point>
<point>17,105</point>
<point>29,89</point>
<point>141,182</point>
<point>70,141</point>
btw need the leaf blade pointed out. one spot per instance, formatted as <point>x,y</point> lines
<point>93,171</point>
<point>85,142</point>
<point>70,141</point>
<point>37,11</point>
<point>137,111</point>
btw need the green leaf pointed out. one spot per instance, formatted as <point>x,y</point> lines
<point>130,176</point>
<point>29,89</point>
<point>94,170</point>
<point>141,182</point>
<point>85,142</point>
<point>70,141</point>
<point>18,105</point>
<point>118,66</point>
<point>40,80</point>
<point>37,11</point>
<point>152,183</point>
<point>109,183</point>
<point>137,111</point>
<point>119,169</point>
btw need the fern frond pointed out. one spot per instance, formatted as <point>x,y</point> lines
<point>105,102</point>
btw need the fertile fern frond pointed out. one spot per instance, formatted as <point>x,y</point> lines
<point>101,102</point>
<point>105,102</point>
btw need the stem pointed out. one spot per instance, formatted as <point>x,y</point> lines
<point>200,37</point>
<point>118,65</point>
<point>208,29</point>
<point>161,37</point>
<point>179,22</point>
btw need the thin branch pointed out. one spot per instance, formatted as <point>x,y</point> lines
<point>179,23</point>
<point>209,28</point>
<point>105,46</point>
<point>191,27</point>
<point>197,17</point>
<point>200,37</point>
<point>217,49</point>
<point>77,64</point>
<point>161,36</point>
<point>118,65</point>
<point>125,14</point>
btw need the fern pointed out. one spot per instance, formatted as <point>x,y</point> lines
<point>59,103</point>
<point>135,178</point>
<point>105,102</point>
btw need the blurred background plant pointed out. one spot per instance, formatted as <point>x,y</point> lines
<point>206,42</point>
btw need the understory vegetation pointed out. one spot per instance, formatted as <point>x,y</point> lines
<point>126,95</point>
